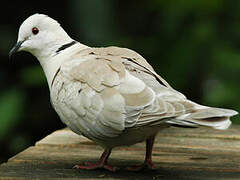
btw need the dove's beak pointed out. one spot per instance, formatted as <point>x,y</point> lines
<point>15,49</point>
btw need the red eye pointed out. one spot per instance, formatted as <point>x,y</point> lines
<point>35,30</point>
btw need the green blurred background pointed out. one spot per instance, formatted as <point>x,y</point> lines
<point>193,44</point>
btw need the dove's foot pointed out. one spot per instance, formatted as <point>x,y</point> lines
<point>148,164</point>
<point>92,166</point>
<point>101,164</point>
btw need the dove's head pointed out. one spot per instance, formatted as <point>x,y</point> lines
<point>41,36</point>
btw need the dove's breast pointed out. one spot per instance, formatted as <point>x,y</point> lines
<point>64,92</point>
<point>86,111</point>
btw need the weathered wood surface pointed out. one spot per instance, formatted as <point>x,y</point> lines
<point>178,154</point>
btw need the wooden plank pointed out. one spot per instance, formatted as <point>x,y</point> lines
<point>178,154</point>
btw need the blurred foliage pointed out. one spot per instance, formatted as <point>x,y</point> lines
<point>33,76</point>
<point>11,108</point>
<point>194,45</point>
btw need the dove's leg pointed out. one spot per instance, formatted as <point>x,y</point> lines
<point>148,157</point>
<point>102,163</point>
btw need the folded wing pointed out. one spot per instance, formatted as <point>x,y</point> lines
<point>121,90</point>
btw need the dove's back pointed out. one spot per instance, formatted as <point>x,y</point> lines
<point>114,97</point>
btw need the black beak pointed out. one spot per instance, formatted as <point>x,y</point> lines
<point>15,49</point>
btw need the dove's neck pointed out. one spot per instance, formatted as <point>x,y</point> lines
<point>52,64</point>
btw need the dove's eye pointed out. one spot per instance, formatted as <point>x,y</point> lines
<point>35,30</point>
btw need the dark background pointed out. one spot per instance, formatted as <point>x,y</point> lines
<point>193,44</point>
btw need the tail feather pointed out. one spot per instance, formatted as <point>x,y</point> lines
<point>212,113</point>
<point>216,118</point>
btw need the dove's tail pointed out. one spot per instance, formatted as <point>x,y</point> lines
<point>216,118</point>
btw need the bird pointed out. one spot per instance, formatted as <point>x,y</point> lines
<point>111,95</point>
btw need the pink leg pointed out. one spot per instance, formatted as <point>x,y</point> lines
<point>148,157</point>
<point>101,164</point>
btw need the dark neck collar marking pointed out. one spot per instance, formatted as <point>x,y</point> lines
<point>65,46</point>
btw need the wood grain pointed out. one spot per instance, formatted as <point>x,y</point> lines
<point>179,153</point>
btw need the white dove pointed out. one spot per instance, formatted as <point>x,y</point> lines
<point>110,95</point>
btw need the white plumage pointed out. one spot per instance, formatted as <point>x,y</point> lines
<point>110,95</point>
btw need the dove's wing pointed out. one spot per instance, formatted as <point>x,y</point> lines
<point>119,91</point>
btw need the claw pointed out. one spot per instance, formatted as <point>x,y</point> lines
<point>101,164</point>
<point>146,165</point>
<point>92,166</point>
